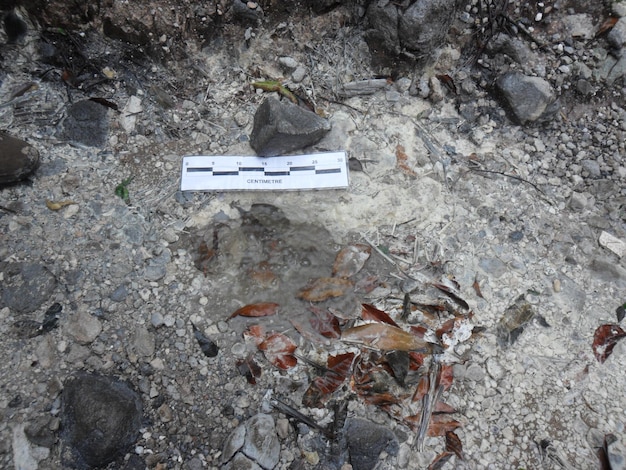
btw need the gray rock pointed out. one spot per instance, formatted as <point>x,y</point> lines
<point>143,342</point>
<point>424,25</point>
<point>281,127</point>
<point>241,462</point>
<point>154,272</point>
<point>492,266</point>
<point>529,98</point>
<point>246,11</point>
<point>26,456</point>
<point>579,25</point>
<point>513,47</point>
<point>617,36</point>
<point>578,201</point>
<point>366,440</point>
<point>592,167</point>
<point>233,443</point>
<point>120,293</point>
<point>26,286</point>
<point>86,123</point>
<point>84,327</point>
<point>382,37</point>
<point>420,28</point>
<point>17,159</point>
<point>261,443</point>
<point>101,417</point>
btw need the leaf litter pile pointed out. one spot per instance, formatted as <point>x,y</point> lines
<point>398,358</point>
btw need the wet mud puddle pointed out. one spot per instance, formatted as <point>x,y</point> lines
<point>264,258</point>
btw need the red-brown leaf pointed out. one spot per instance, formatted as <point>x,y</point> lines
<point>443,408</point>
<point>262,309</point>
<point>422,388</point>
<point>324,288</point>
<point>351,259</point>
<point>338,370</point>
<point>439,426</point>
<point>454,444</point>
<point>249,369</point>
<point>416,360</point>
<point>476,287</point>
<point>448,82</point>
<point>369,312</point>
<point>607,25</point>
<point>440,460</point>
<point>325,323</point>
<point>450,293</point>
<point>384,337</point>
<point>446,376</point>
<point>604,340</point>
<point>278,349</point>
<point>255,333</point>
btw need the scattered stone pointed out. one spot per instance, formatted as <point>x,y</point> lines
<point>529,98</point>
<point>289,63</point>
<point>420,28</point>
<point>84,327</point>
<point>26,286</point>
<point>580,26</point>
<point>233,443</point>
<point>101,417</point>
<point>617,36</point>
<point>241,462</point>
<point>366,441</point>
<point>298,75</point>
<point>362,87</point>
<point>612,243</point>
<point>513,322</point>
<point>261,443</point>
<point>26,456</point>
<point>281,127</point>
<point>86,123</point>
<point>578,201</point>
<point>246,11</point>
<point>493,266</point>
<point>143,343</point>
<point>14,27</point>
<point>18,159</point>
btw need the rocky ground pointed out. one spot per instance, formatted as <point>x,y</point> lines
<point>118,290</point>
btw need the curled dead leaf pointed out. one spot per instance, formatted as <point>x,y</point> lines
<point>261,309</point>
<point>278,349</point>
<point>604,340</point>
<point>384,337</point>
<point>57,205</point>
<point>324,288</point>
<point>351,259</point>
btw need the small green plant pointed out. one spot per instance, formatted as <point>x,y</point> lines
<point>121,189</point>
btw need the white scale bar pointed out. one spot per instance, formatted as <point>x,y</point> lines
<point>221,173</point>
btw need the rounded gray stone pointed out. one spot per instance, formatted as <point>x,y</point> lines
<point>17,159</point>
<point>261,443</point>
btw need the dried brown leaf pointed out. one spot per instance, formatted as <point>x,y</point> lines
<point>440,460</point>
<point>402,161</point>
<point>324,288</point>
<point>440,424</point>
<point>325,323</point>
<point>278,349</point>
<point>384,337</point>
<point>476,287</point>
<point>351,259</point>
<point>261,309</point>
<point>607,25</point>
<point>604,340</point>
<point>369,312</point>
<point>454,444</point>
<point>249,369</point>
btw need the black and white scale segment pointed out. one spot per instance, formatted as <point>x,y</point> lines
<point>223,173</point>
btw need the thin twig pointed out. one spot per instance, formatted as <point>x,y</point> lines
<point>508,175</point>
